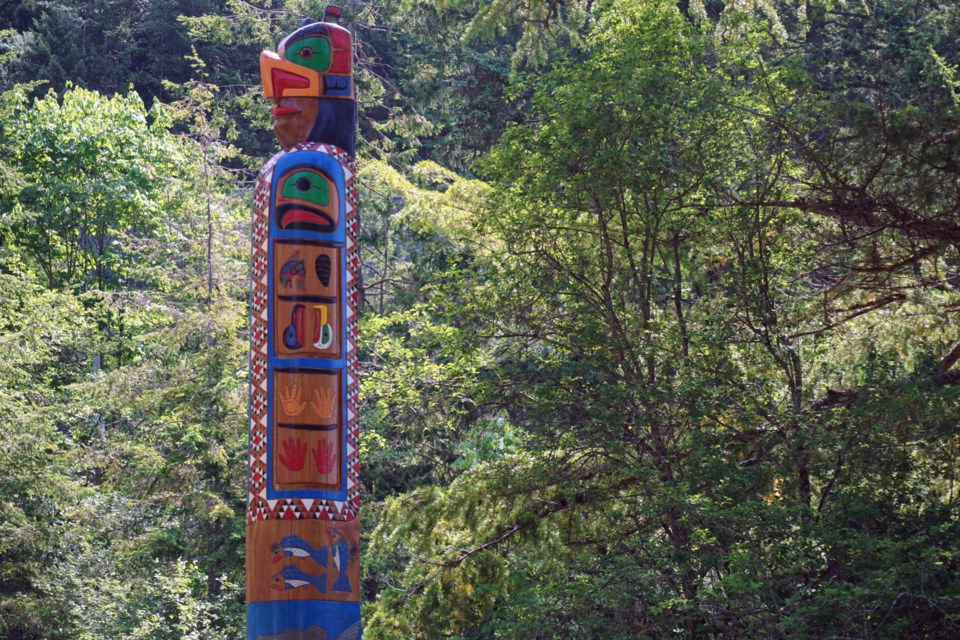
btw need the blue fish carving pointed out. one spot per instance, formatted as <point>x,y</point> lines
<point>292,578</point>
<point>298,548</point>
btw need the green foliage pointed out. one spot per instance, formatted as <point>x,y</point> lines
<point>40,338</point>
<point>105,45</point>
<point>683,364</point>
<point>69,228</point>
<point>687,368</point>
<point>124,389</point>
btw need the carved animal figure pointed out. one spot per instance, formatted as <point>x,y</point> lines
<point>293,273</point>
<point>340,550</point>
<point>297,547</point>
<point>305,200</point>
<point>310,82</point>
<point>292,578</point>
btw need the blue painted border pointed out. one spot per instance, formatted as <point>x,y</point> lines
<point>271,618</point>
<point>337,238</point>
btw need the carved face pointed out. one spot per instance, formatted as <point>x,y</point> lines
<point>310,82</point>
<point>306,200</point>
<point>293,118</point>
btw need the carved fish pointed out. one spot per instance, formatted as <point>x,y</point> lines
<point>299,548</point>
<point>292,578</point>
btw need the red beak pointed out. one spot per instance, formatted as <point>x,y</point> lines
<point>283,80</point>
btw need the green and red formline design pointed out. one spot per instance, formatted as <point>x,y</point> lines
<point>303,565</point>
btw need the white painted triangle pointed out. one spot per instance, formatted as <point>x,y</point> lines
<point>349,243</point>
<point>308,504</point>
<point>350,414</point>
<point>263,348</point>
<point>350,379</point>
<point>350,484</point>
<point>263,420</point>
<point>349,312</point>
<point>263,458</point>
<point>347,174</point>
<point>349,278</point>
<point>350,450</point>
<point>263,314</point>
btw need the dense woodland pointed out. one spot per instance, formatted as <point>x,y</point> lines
<point>660,332</point>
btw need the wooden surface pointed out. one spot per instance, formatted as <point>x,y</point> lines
<point>263,563</point>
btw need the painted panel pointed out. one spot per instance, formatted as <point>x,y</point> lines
<point>303,560</point>
<point>307,328</point>
<point>307,270</point>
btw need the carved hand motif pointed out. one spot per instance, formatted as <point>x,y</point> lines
<point>323,457</point>
<point>294,454</point>
<point>324,402</point>
<point>290,401</point>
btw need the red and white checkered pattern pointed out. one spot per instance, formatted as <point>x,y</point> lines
<point>258,506</point>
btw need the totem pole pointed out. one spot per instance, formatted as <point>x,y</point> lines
<point>303,560</point>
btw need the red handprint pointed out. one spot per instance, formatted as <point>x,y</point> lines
<point>294,454</point>
<point>323,457</point>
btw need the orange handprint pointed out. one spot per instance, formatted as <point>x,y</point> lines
<point>294,454</point>
<point>323,457</point>
<point>290,401</point>
<point>324,402</point>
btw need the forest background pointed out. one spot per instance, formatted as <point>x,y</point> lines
<point>659,334</point>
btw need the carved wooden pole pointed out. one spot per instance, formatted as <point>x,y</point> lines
<point>303,560</point>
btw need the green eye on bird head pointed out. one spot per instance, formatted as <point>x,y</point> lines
<point>312,52</point>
